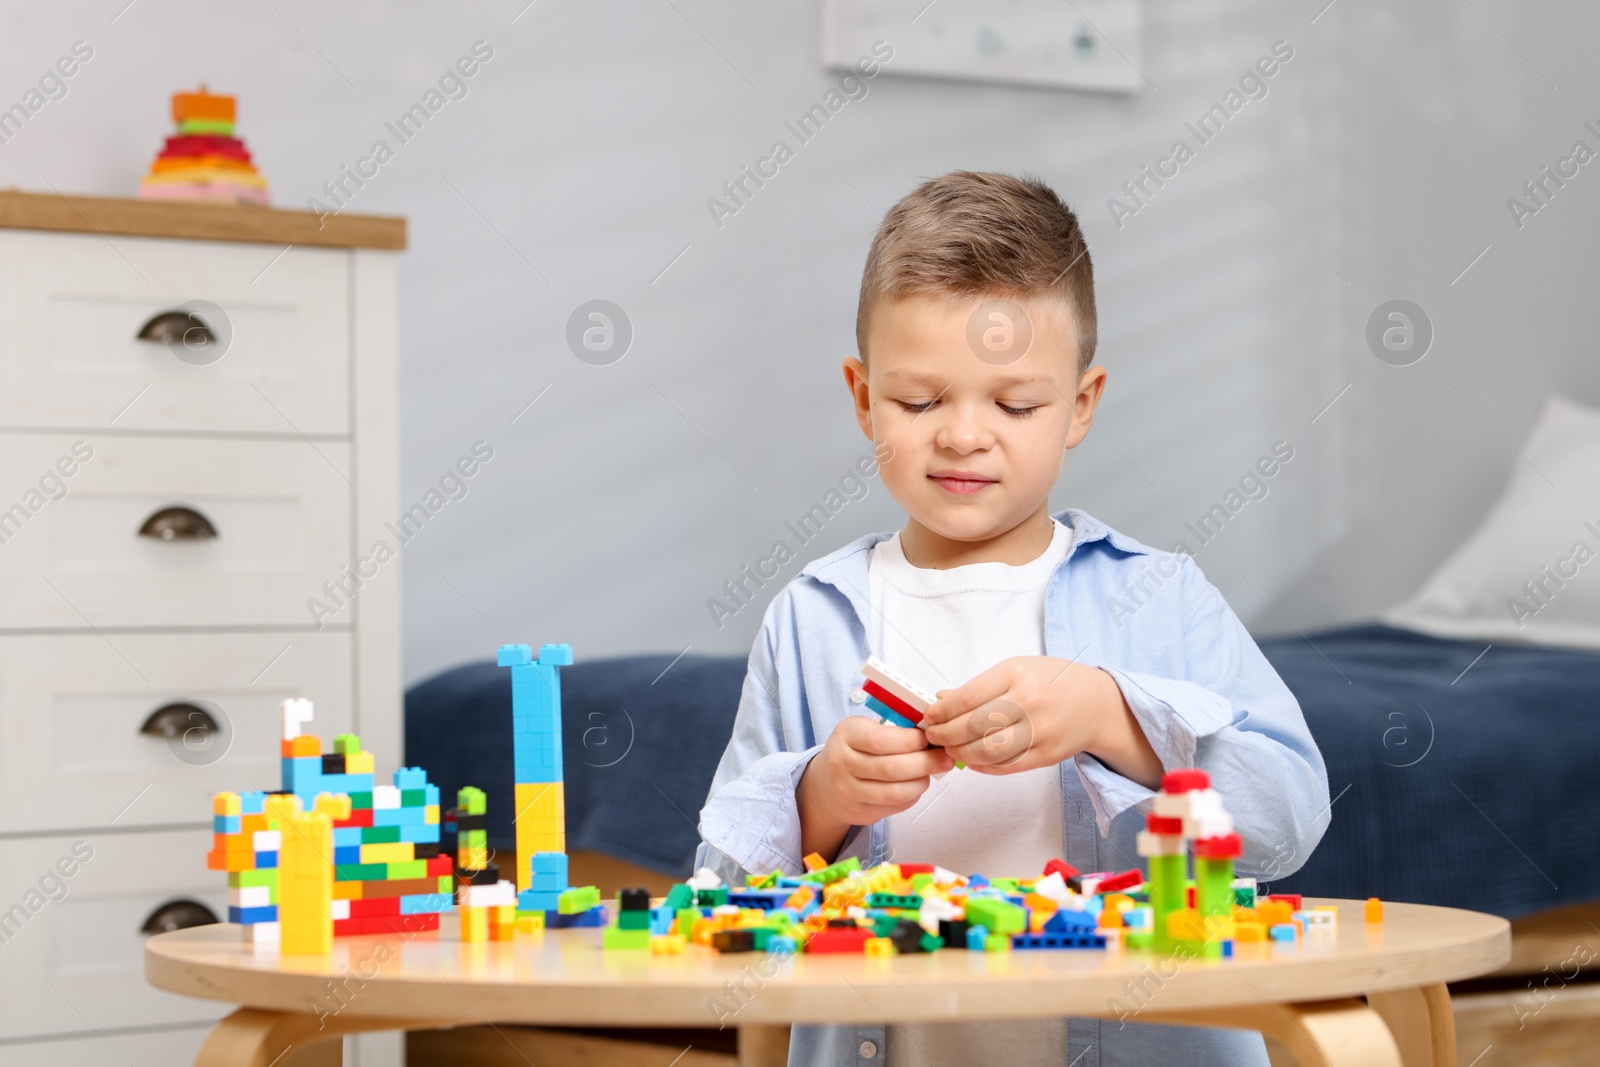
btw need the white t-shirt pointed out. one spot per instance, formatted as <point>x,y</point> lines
<point>940,628</point>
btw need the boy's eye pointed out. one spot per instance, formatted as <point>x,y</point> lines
<point>915,407</point>
<point>1019,412</point>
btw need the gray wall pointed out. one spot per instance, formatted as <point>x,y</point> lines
<point>1233,305</point>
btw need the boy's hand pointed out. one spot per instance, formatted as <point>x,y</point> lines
<point>866,771</point>
<point>1035,711</point>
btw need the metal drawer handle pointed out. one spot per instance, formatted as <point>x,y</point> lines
<point>178,915</point>
<point>178,524</point>
<point>177,328</point>
<point>177,720</point>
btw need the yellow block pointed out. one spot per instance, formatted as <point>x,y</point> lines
<point>360,763</point>
<point>225,804</point>
<point>541,821</point>
<point>305,883</point>
<point>389,852</point>
<point>333,805</point>
<point>1185,925</point>
<point>474,924</point>
<point>1244,932</point>
<point>503,922</point>
<point>430,814</point>
<point>878,946</point>
<point>667,945</point>
<point>532,923</point>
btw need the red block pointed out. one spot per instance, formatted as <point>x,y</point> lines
<point>358,817</point>
<point>1291,899</point>
<point>894,702</point>
<point>1185,781</point>
<point>840,940</point>
<point>1061,867</point>
<point>366,909</point>
<point>1227,847</point>
<point>1125,880</point>
<point>908,869</point>
<point>441,865</point>
<point>1161,824</point>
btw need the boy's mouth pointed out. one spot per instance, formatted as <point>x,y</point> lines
<point>964,483</point>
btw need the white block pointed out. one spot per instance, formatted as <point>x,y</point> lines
<point>487,896</point>
<point>1054,888</point>
<point>704,878</point>
<point>1148,844</point>
<point>876,670</point>
<point>944,877</point>
<point>250,896</point>
<point>267,840</point>
<point>340,909</point>
<point>293,714</point>
<point>1212,824</point>
<point>263,933</point>
<point>385,796</point>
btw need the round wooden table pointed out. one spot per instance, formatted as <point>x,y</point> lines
<point>1365,995</point>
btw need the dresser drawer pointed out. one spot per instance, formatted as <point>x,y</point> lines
<point>72,306</point>
<point>71,951</point>
<point>72,708</point>
<point>280,511</point>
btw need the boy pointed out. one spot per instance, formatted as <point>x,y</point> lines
<point>976,333</point>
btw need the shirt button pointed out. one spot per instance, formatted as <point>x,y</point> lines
<point>868,1050</point>
<point>858,696</point>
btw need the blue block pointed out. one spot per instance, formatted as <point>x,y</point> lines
<point>399,817</point>
<point>514,655</point>
<point>266,860</point>
<point>974,880</point>
<point>765,899</point>
<point>266,913</point>
<point>1035,941</point>
<point>345,836</point>
<point>421,833</point>
<point>554,920</point>
<point>344,783</point>
<point>410,778</point>
<point>976,936</point>
<point>538,900</point>
<point>253,802</point>
<point>424,903</point>
<point>1065,921</point>
<point>550,863</point>
<point>782,945</point>
<point>430,794</point>
<point>1227,948</point>
<point>888,714</point>
<point>225,824</point>
<point>347,854</point>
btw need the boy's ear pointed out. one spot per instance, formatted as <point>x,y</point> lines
<point>855,376</point>
<point>1090,388</point>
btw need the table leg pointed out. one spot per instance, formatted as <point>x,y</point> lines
<point>1422,1022</point>
<point>763,1046</point>
<point>1329,1033</point>
<point>254,1038</point>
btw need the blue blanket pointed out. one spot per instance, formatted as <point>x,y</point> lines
<point>1457,780</point>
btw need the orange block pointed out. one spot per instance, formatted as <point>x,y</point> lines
<point>202,105</point>
<point>1374,910</point>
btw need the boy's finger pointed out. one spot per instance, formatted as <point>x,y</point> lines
<point>980,690</point>
<point>882,739</point>
<point>901,767</point>
<point>994,715</point>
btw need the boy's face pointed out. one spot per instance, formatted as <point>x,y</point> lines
<point>975,441</point>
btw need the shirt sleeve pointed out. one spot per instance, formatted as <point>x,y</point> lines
<point>751,821</point>
<point>1232,716</point>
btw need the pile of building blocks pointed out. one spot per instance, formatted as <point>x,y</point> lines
<point>487,902</point>
<point>379,869</point>
<point>203,160</point>
<point>898,909</point>
<point>894,698</point>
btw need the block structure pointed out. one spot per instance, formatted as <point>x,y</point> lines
<point>541,813</point>
<point>1187,811</point>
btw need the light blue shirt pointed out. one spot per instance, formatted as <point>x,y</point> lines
<point>1195,681</point>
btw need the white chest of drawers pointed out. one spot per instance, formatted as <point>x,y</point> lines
<point>167,512</point>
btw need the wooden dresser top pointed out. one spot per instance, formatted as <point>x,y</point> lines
<point>197,221</point>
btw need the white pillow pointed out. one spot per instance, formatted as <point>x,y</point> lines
<point>1530,572</point>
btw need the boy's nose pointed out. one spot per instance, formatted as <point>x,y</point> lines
<point>965,433</point>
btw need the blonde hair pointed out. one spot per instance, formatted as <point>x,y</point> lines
<point>974,233</point>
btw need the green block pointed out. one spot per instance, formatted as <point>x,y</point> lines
<point>1167,890</point>
<point>901,901</point>
<point>931,942</point>
<point>685,920</point>
<point>680,896</point>
<point>380,835</point>
<point>447,883</point>
<point>997,943</point>
<point>407,869</point>
<point>470,800</point>
<point>1244,897</point>
<point>577,900</point>
<point>884,925</point>
<point>346,745</point>
<point>919,882</point>
<point>615,938</point>
<point>1009,886</point>
<point>761,935</point>
<point>251,879</point>
<point>834,873</point>
<point>633,920</point>
<point>473,839</point>
<point>363,872</point>
<point>712,898</point>
<point>1139,939</point>
<point>1214,881</point>
<point>763,881</point>
<point>361,800</point>
<point>413,798</point>
<point>998,916</point>
<point>220,127</point>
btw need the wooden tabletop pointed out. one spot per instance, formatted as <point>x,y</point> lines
<point>201,221</point>
<point>563,978</point>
